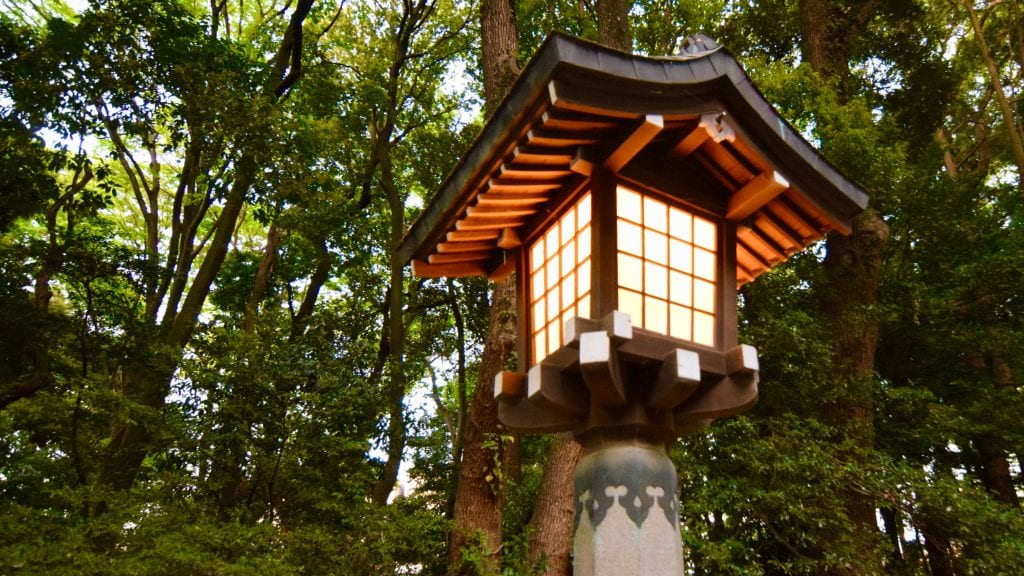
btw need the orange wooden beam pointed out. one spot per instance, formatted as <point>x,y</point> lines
<point>754,194</point>
<point>635,142</point>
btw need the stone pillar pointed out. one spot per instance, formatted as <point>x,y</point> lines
<point>627,511</point>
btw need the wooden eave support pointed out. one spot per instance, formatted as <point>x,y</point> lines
<point>652,125</point>
<point>510,199</point>
<point>502,271</point>
<point>758,244</point>
<point>467,224</point>
<point>600,368</point>
<point>509,239</point>
<point>711,127</point>
<point>751,261</point>
<point>777,233</point>
<point>541,156</point>
<point>456,257</point>
<point>824,222</point>
<point>559,119</point>
<point>694,140</point>
<point>521,187</point>
<point>422,269</point>
<point>460,247</point>
<point>807,232</point>
<point>497,212</point>
<point>472,235</point>
<point>537,172</point>
<point>547,389</point>
<point>558,139</point>
<point>755,194</point>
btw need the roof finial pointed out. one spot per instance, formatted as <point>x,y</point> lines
<point>696,46</point>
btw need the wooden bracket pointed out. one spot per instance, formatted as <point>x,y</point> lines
<point>519,415</point>
<point>717,126</point>
<point>712,127</point>
<point>600,368</point>
<point>582,163</point>
<point>729,396</point>
<point>503,270</point>
<point>678,379</point>
<point>608,375</point>
<point>548,390</point>
<point>422,269</point>
<point>635,142</point>
<point>509,239</point>
<point>617,324</point>
<point>508,385</point>
<point>762,189</point>
<point>742,360</point>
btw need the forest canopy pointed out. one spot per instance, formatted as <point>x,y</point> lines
<point>213,362</point>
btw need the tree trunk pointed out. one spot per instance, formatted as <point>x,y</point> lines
<point>893,526</point>
<point>939,557</point>
<point>147,377</point>
<point>994,470</point>
<point>613,24</point>
<point>396,300</point>
<point>552,522</point>
<point>852,271</point>
<point>500,47</point>
<point>814,18</point>
<point>1012,124</point>
<point>479,498</point>
<point>266,267</point>
<point>853,268</point>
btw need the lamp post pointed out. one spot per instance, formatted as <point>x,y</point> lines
<point>632,196</point>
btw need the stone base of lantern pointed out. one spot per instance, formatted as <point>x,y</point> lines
<point>627,511</point>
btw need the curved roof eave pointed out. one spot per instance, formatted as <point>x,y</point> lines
<point>595,75</point>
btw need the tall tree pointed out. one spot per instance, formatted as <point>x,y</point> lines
<point>852,266</point>
<point>476,537</point>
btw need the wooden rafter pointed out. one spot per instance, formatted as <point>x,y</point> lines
<point>755,194</point>
<point>563,120</point>
<point>503,212</point>
<point>794,221</point>
<point>635,142</point>
<point>755,242</point>
<point>454,247</point>
<point>562,157</point>
<point>556,139</point>
<point>688,145</point>
<point>452,258</point>
<point>473,224</point>
<point>777,233</point>
<point>519,187</point>
<point>533,172</point>
<point>423,269</point>
<point>499,199</point>
<point>472,235</point>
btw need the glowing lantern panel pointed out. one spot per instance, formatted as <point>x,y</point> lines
<point>559,263</point>
<point>667,259</point>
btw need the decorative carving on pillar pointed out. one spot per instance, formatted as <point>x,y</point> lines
<point>626,499</point>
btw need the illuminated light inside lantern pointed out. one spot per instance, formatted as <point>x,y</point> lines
<point>559,263</point>
<point>666,267</point>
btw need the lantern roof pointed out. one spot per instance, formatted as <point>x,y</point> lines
<point>693,127</point>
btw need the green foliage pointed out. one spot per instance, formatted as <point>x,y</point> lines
<point>125,128</point>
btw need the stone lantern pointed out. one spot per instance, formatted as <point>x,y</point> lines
<point>632,196</point>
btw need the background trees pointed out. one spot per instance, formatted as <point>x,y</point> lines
<point>211,363</point>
